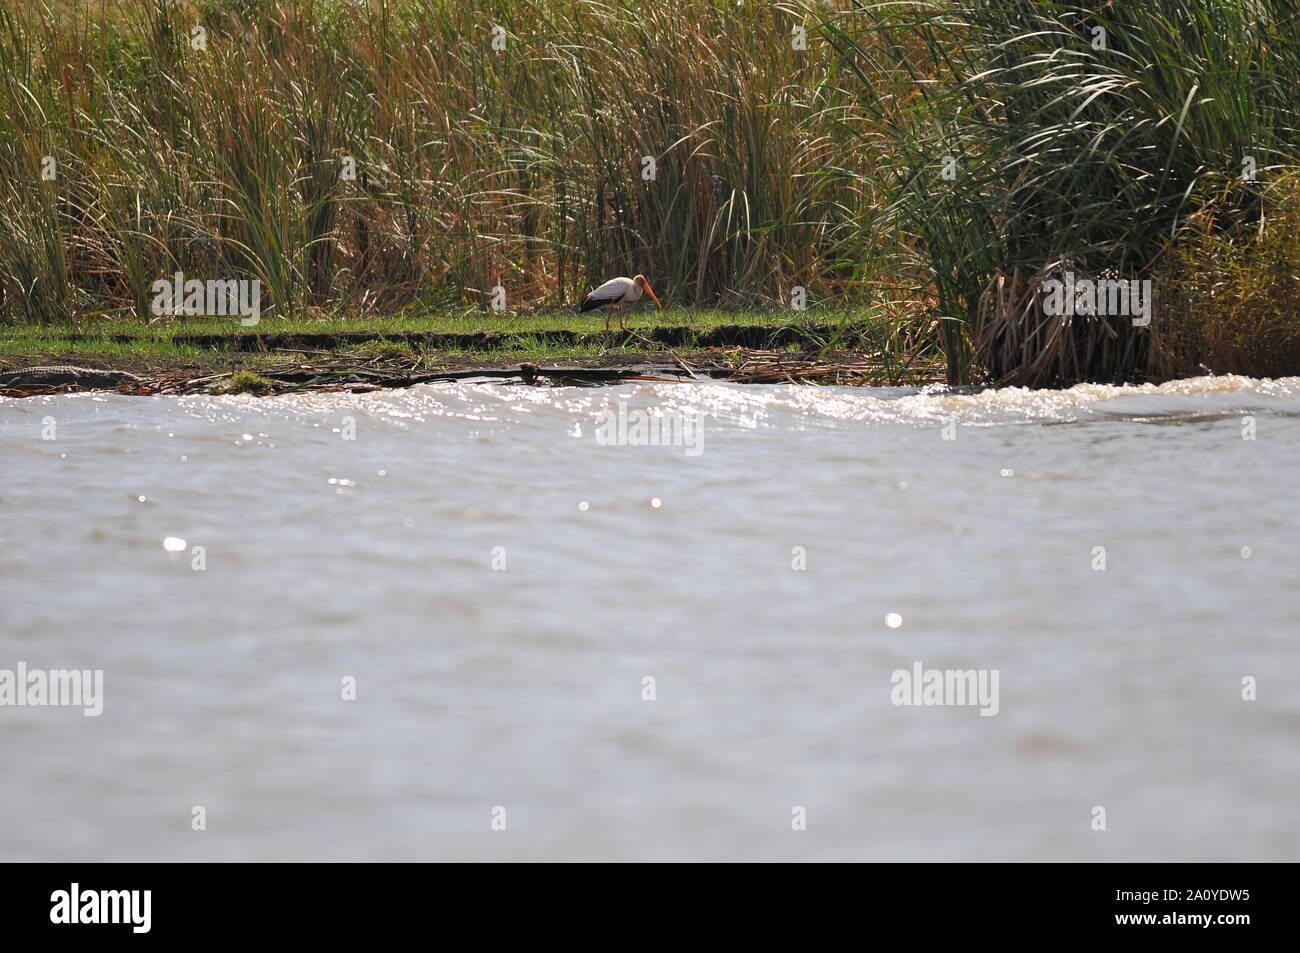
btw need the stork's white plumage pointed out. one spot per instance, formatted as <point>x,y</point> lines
<point>616,293</point>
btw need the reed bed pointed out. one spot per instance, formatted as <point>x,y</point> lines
<point>1037,132</point>
<point>423,153</point>
<point>410,156</point>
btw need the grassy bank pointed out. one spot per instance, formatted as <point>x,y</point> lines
<point>857,347</point>
<point>935,162</point>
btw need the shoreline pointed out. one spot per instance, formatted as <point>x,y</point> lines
<point>377,353</point>
<point>294,374</point>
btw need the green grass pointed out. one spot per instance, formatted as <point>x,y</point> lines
<point>161,349</point>
<point>458,322</point>
<point>246,382</point>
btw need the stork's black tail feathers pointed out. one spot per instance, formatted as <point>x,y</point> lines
<point>588,304</point>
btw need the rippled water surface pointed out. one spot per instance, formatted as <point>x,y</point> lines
<point>500,583</point>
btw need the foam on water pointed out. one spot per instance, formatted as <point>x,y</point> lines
<point>784,405</point>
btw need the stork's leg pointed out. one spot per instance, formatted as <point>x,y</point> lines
<point>607,313</point>
<point>621,323</point>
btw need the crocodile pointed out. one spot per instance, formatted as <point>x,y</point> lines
<point>63,375</point>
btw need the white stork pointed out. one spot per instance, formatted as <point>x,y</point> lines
<point>616,293</point>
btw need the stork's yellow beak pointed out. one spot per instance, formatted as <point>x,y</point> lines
<point>652,296</point>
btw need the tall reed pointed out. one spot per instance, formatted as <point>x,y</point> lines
<point>1031,132</point>
<point>538,146</point>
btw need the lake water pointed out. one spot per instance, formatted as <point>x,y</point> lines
<point>499,578</point>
